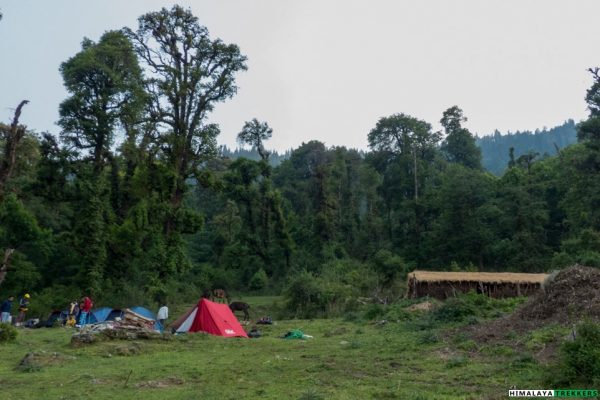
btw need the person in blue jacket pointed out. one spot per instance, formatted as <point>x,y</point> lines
<point>5,309</point>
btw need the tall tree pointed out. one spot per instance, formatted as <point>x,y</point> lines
<point>407,148</point>
<point>589,130</point>
<point>254,133</point>
<point>188,74</point>
<point>105,83</point>
<point>402,135</point>
<point>459,145</point>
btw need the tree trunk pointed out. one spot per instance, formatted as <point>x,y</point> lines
<point>12,138</point>
<point>5,264</point>
<point>416,176</point>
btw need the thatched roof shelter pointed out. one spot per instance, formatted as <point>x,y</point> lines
<point>495,284</point>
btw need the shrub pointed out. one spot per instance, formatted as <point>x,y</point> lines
<point>373,311</point>
<point>455,309</point>
<point>579,361</point>
<point>304,296</point>
<point>397,312</point>
<point>259,280</point>
<point>329,294</point>
<point>8,333</point>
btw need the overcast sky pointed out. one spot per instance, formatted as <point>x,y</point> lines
<point>328,70</point>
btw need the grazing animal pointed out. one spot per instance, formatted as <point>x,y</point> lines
<point>220,296</point>
<point>241,306</point>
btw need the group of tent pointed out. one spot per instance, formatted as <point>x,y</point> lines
<point>206,316</point>
<point>102,314</point>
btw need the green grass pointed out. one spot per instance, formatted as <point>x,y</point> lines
<point>345,360</point>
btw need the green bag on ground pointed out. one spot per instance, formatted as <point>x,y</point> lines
<point>294,334</point>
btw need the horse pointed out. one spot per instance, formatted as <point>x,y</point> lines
<point>240,306</point>
<point>220,296</point>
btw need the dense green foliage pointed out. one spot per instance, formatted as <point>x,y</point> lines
<point>134,202</point>
<point>579,359</point>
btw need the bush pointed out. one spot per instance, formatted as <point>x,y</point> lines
<point>579,360</point>
<point>397,312</point>
<point>332,293</point>
<point>304,297</point>
<point>8,333</point>
<point>373,311</point>
<point>259,280</point>
<point>455,309</point>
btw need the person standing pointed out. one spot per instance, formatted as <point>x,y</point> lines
<point>86,307</point>
<point>23,308</point>
<point>5,309</point>
<point>162,315</point>
<point>73,313</point>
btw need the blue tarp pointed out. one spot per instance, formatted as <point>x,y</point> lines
<point>99,314</point>
<point>144,312</point>
<point>109,314</point>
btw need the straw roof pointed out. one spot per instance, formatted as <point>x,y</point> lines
<point>491,277</point>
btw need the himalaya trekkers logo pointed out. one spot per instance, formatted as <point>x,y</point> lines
<point>579,393</point>
<point>230,331</point>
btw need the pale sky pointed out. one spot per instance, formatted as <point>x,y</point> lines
<point>328,70</point>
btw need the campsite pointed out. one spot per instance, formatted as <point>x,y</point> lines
<point>469,347</point>
<point>305,200</point>
<point>345,360</point>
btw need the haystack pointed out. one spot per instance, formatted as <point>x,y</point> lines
<point>442,285</point>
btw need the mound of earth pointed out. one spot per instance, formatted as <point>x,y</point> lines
<point>570,296</point>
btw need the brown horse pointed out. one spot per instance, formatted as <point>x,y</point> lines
<point>220,296</point>
<point>240,306</point>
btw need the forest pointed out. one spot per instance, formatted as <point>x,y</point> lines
<point>134,202</point>
<point>496,148</point>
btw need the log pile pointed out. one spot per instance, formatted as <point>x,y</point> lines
<point>130,327</point>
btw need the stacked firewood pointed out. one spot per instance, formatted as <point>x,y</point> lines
<point>131,326</point>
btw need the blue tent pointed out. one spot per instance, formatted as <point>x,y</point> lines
<point>99,314</point>
<point>114,314</point>
<point>144,312</point>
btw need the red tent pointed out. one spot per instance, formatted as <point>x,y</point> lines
<point>214,318</point>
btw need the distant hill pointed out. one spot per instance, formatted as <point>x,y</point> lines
<point>495,148</point>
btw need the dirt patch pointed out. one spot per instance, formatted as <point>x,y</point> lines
<point>35,361</point>
<point>424,306</point>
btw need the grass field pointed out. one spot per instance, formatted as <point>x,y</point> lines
<point>345,360</point>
